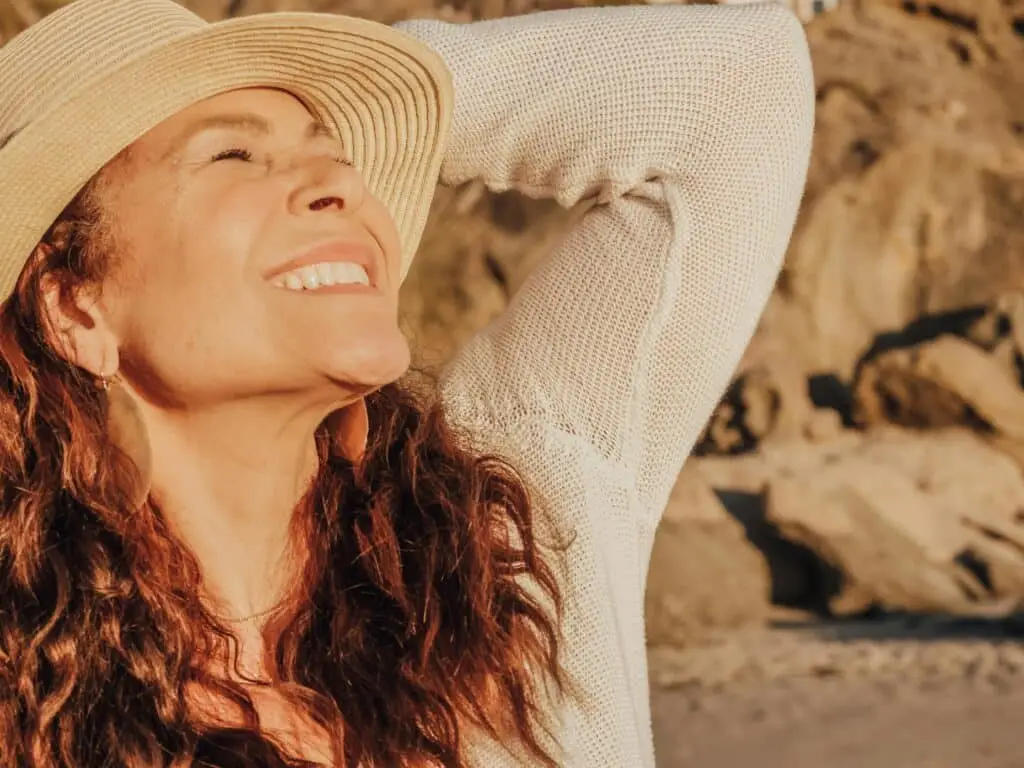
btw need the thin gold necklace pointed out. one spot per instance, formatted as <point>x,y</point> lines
<point>244,619</point>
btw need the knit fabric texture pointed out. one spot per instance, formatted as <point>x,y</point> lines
<point>689,127</point>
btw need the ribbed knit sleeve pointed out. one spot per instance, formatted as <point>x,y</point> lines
<point>690,127</point>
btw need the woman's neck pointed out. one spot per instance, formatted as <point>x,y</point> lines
<point>228,482</point>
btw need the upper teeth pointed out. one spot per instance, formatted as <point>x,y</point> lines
<point>319,275</point>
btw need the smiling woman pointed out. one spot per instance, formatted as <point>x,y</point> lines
<point>246,402</point>
<point>235,530</point>
<point>211,206</point>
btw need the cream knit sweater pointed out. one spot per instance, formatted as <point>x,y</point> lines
<point>691,126</point>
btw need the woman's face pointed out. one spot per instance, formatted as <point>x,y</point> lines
<point>244,241</point>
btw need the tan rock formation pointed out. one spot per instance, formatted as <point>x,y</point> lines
<point>704,573</point>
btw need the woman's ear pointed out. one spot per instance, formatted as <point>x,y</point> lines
<point>80,332</point>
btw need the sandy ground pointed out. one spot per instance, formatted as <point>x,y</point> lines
<point>893,694</point>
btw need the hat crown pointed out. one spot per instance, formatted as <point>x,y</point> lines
<point>81,42</point>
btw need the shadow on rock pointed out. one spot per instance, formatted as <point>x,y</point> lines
<point>896,627</point>
<point>799,577</point>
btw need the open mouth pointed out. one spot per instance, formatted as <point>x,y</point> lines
<point>314,277</point>
<point>338,266</point>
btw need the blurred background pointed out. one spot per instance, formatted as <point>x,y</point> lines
<point>839,574</point>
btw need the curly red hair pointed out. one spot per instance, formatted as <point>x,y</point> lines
<point>412,617</point>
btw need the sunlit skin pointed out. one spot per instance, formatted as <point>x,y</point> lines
<point>233,374</point>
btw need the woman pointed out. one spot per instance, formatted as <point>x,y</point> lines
<point>233,532</point>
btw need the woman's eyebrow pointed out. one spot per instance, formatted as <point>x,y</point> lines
<point>251,123</point>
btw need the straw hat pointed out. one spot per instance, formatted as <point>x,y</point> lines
<point>89,79</point>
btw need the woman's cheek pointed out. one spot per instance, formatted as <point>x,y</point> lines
<point>227,230</point>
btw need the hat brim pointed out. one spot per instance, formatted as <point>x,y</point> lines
<point>388,96</point>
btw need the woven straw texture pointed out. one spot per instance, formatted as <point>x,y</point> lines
<point>691,125</point>
<point>91,78</point>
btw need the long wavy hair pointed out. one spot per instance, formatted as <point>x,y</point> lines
<point>426,601</point>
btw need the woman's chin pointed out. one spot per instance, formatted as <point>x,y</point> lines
<point>370,366</point>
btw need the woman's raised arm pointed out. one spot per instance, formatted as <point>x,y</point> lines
<point>691,125</point>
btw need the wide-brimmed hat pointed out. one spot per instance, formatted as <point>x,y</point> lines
<point>89,79</point>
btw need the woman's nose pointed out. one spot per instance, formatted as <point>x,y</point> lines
<point>326,184</point>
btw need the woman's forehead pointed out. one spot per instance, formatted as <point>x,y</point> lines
<point>253,110</point>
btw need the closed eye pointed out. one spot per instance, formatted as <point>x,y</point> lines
<point>343,161</point>
<point>234,154</point>
<point>246,156</point>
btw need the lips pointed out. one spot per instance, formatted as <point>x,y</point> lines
<point>334,263</point>
<point>323,275</point>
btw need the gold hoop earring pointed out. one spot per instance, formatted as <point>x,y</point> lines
<point>127,431</point>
